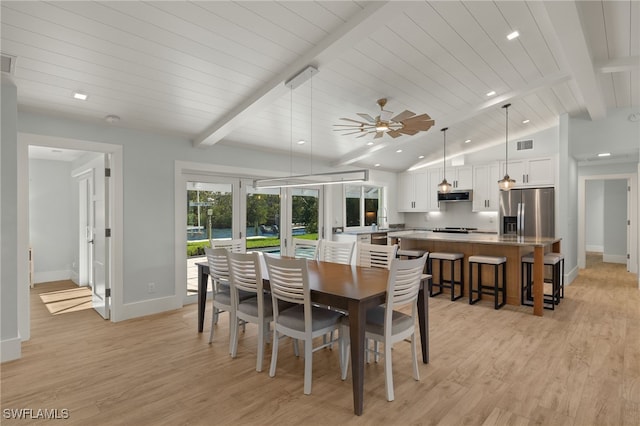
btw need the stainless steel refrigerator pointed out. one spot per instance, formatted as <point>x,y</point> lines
<point>527,212</point>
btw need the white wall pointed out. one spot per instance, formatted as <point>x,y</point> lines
<point>51,219</point>
<point>594,214</point>
<point>615,128</point>
<point>615,221</point>
<point>457,214</point>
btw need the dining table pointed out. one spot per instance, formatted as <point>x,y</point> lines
<point>353,289</point>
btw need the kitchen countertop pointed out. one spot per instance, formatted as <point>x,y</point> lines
<point>378,231</point>
<point>478,238</point>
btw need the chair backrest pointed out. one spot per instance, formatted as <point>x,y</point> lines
<point>238,245</point>
<point>244,272</point>
<point>288,279</point>
<point>375,255</point>
<point>218,265</point>
<point>305,249</point>
<point>336,251</point>
<point>403,284</point>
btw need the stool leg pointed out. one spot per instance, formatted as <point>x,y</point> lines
<point>504,284</point>
<point>462,277</point>
<point>496,293</point>
<point>471,301</point>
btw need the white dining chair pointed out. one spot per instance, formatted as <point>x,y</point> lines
<point>246,276</point>
<point>385,324</point>
<point>289,282</point>
<point>221,291</point>
<point>375,255</point>
<point>336,251</point>
<point>305,249</point>
<point>237,245</point>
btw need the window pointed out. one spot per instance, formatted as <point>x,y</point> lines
<point>362,204</point>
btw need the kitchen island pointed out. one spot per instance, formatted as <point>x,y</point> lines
<point>511,247</point>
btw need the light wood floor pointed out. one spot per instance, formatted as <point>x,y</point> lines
<point>578,365</point>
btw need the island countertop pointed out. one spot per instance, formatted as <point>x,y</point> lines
<point>474,238</point>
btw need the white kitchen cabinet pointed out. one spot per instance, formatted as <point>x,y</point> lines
<point>460,177</point>
<point>412,192</point>
<point>352,238</point>
<point>434,176</point>
<point>531,172</point>
<point>485,188</point>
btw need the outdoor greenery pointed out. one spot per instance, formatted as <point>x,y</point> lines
<point>196,248</point>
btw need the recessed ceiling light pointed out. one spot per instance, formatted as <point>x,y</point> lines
<point>301,142</point>
<point>604,154</point>
<point>399,151</point>
<point>525,121</point>
<point>467,141</point>
<point>513,35</point>
<point>80,96</point>
<point>421,157</point>
<point>376,165</point>
<point>369,143</point>
<point>56,150</point>
<point>491,93</point>
<point>112,119</point>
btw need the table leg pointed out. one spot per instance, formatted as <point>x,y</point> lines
<point>357,319</point>
<point>203,281</point>
<point>423,321</point>
<point>538,280</point>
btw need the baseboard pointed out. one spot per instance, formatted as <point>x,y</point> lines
<point>614,258</point>
<point>75,278</point>
<point>594,248</point>
<point>571,275</point>
<point>147,307</point>
<point>48,276</point>
<point>10,349</point>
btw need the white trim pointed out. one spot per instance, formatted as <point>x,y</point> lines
<point>571,275</point>
<point>10,349</point>
<point>48,276</point>
<point>149,307</point>
<point>594,248</point>
<point>632,233</point>
<point>614,258</point>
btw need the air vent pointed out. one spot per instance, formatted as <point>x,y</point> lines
<point>525,144</point>
<point>8,63</point>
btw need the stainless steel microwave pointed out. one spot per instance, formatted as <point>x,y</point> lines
<point>455,196</point>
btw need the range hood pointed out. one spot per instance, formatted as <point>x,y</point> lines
<point>455,196</point>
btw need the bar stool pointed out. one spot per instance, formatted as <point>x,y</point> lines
<point>495,290</point>
<point>554,260</point>
<point>451,283</point>
<point>561,257</point>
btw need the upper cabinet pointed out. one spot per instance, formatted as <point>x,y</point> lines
<point>531,172</point>
<point>460,177</point>
<point>485,188</point>
<point>412,192</point>
<point>435,177</point>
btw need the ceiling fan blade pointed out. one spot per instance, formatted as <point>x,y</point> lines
<point>419,125</point>
<point>403,115</point>
<point>355,121</point>
<point>421,117</point>
<point>394,133</point>
<point>367,117</point>
<point>378,135</point>
<point>365,134</point>
<point>409,132</point>
<point>385,115</point>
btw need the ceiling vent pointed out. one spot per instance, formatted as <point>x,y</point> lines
<point>8,63</point>
<point>528,144</point>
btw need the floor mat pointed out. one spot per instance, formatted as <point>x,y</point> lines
<point>64,301</point>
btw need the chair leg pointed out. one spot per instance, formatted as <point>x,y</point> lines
<point>308,364</point>
<point>388,371</point>
<point>345,343</point>
<point>233,339</point>
<point>296,349</point>
<point>274,353</point>
<point>233,322</point>
<point>261,336</point>
<point>414,354</point>
<point>214,321</point>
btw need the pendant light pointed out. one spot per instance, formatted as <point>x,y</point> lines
<point>444,187</point>
<point>506,183</point>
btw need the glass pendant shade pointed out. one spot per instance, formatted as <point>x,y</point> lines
<point>506,183</point>
<point>444,187</point>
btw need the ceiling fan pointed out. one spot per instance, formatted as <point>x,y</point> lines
<point>405,123</point>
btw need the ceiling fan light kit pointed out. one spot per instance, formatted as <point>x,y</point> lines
<point>405,123</point>
<point>506,183</point>
<point>444,187</point>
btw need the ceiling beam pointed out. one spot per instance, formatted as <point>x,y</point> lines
<point>364,23</point>
<point>568,29</point>
<point>463,115</point>
<point>628,63</point>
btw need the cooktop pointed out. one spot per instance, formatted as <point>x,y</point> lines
<point>454,230</point>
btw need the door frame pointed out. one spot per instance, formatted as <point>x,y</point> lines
<point>632,215</point>
<point>85,189</point>
<point>116,214</point>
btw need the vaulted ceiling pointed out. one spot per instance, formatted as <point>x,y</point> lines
<point>214,72</point>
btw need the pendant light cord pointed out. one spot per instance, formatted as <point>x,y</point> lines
<point>311,126</point>
<point>291,132</point>
<point>444,153</point>
<point>506,142</point>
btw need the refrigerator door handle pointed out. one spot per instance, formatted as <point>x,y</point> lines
<point>520,220</point>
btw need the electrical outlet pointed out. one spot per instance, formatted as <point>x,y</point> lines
<point>490,219</point>
<point>151,287</point>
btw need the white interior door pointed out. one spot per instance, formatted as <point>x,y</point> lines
<point>85,229</point>
<point>99,240</point>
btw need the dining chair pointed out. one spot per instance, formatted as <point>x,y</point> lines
<point>375,255</point>
<point>385,324</point>
<point>289,282</point>
<point>336,251</point>
<point>245,275</point>
<point>221,291</point>
<point>237,245</point>
<point>305,249</point>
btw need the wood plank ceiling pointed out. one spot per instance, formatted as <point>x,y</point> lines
<point>213,72</point>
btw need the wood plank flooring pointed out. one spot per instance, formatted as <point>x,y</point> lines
<point>578,365</point>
